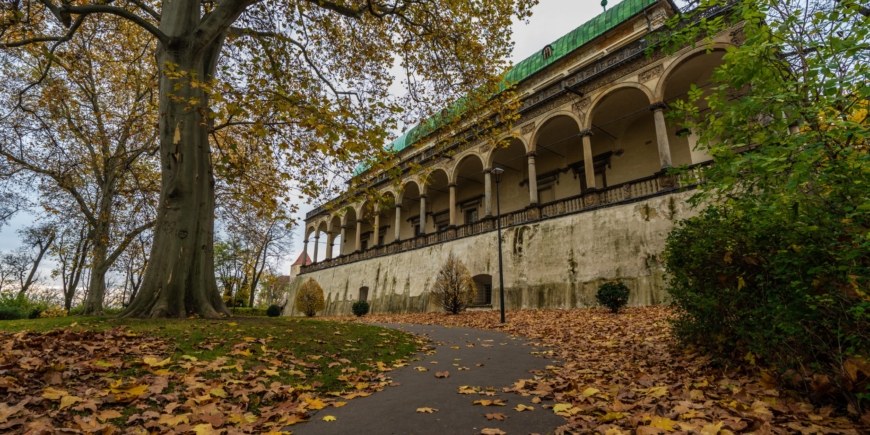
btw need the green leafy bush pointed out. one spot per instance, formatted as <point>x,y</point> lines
<point>8,312</point>
<point>31,307</point>
<point>613,295</point>
<point>273,311</point>
<point>254,312</point>
<point>360,308</point>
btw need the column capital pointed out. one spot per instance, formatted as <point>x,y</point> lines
<point>422,196</point>
<point>587,132</point>
<point>487,171</point>
<point>317,237</point>
<point>531,154</point>
<point>451,185</point>
<point>661,105</point>
<point>305,241</point>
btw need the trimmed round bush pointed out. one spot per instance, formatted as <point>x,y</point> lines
<point>360,308</point>
<point>310,299</point>
<point>273,311</point>
<point>613,295</point>
<point>13,313</point>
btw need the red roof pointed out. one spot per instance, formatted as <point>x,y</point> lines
<point>303,260</point>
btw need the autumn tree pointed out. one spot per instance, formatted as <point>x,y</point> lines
<point>70,251</point>
<point>84,131</point>
<point>453,289</point>
<point>311,78</point>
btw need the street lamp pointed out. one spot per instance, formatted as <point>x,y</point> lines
<point>497,172</point>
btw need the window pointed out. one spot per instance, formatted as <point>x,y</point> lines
<point>416,229</point>
<point>487,292</point>
<point>471,216</point>
<point>548,51</point>
<point>381,240</point>
<point>363,293</point>
<point>546,195</point>
<point>364,245</point>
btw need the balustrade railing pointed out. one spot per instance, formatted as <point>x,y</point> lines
<point>632,190</point>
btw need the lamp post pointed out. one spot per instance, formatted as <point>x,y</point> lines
<point>496,174</point>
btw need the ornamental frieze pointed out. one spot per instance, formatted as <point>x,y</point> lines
<point>650,74</point>
<point>528,128</point>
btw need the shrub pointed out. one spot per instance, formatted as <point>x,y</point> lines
<point>310,300</point>
<point>30,306</point>
<point>454,289</point>
<point>54,311</point>
<point>770,287</point>
<point>613,295</point>
<point>8,312</point>
<point>273,311</point>
<point>360,308</point>
<point>243,311</point>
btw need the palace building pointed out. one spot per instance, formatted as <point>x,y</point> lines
<point>584,194</point>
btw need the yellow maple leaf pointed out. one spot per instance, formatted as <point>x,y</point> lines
<point>663,423</point>
<point>426,410</point>
<point>589,392</point>
<point>315,404</point>
<point>218,392</point>
<point>154,362</point>
<point>329,418</point>
<point>204,429</point>
<point>711,429</point>
<point>174,420</point>
<point>108,415</point>
<point>521,408</point>
<point>561,407</point>
<point>52,394</point>
<point>67,401</point>
<point>338,404</point>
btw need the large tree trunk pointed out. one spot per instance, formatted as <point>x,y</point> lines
<point>179,279</point>
<point>100,266</point>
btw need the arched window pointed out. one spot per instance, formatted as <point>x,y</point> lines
<point>548,51</point>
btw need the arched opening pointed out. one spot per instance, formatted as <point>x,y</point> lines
<point>470,190</point>
<point>387,220</point>
<point>348,242</point>
<point>410,210</point>
<point>334,237</point>
<point>363,294</point>
<point>483,289</point>
<point>513,192</point>
<point>559,159</point>
<point>367,236</point>
<point>320,240</point>
<point>437,201</point>
<point>695,70</point>
<point>624,138</point>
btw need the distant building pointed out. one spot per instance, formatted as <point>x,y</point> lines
<point>584,197</point>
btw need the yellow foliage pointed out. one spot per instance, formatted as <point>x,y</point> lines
<point>309,299</point>
<point>54,311</point>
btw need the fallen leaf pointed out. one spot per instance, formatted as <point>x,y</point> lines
<point>427,410</point>
<point>328,418</point>
<point>490,431</point>
<point>521,408</point>
<point>499,417</point>
<point>442,375</point>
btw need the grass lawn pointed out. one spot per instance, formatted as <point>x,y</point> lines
<point>241,373</point>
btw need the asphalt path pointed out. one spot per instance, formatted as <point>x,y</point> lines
<point>504,360</point>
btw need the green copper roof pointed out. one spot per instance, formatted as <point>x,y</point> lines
<point>536,62</point>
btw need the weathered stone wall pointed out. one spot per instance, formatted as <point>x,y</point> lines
<point>554,263</point>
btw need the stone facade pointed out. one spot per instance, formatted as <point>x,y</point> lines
<point>552,263</point>
<point>593,143</point>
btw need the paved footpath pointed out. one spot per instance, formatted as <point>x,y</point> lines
<point>393,411</point>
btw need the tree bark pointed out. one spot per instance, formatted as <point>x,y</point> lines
<point>179,279</point>
<point>42,250</point>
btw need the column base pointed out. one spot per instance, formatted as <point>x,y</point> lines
<point>534,211</point>
<point>666,181</point>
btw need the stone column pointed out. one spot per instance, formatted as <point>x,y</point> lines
<point>377,227</point>
<point>358,235</point>
<point>533,179</point>
<point>662,134</point>
<point>422,214</point>
<point>316,242</point>
<point>398,228</point>
<point>588,164</point>
<point>343,238</point>
<point>329,240</point>
<point>487,190</point>
<point>452,204</point>
<point>305,249</point>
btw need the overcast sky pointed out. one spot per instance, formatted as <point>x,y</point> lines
<point>550,20</point>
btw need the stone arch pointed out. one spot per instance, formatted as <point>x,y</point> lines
<point>437,193</point>
<point>490,158</point>
<point>662,83</point>
<point>587,123</point>
<point>539,126</point>
<point>461,159</point>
